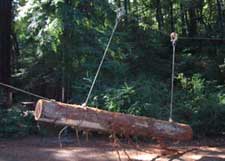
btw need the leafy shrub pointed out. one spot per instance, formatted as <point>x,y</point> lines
<point>196,102</point>
<point>146,97</point>
<point>201,105</point>
<point>15,122</point>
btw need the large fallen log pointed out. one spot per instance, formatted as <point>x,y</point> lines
<point>111,122</point>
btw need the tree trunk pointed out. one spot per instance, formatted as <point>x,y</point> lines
<point>193,21</point>
<point>159,16</point>
<point>220,17</point>
<point>172,26</point>
<point>110,122</point>
<point>126,10</point>
<point>5,43</point>
<point>183,24</point>
<point>65,54</point>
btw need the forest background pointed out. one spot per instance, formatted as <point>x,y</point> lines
<point>48,45</point>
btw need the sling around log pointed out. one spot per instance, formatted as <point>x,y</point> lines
<point>110,122</point>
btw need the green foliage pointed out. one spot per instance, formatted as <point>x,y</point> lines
<point>196,102</point>
<point>144,96</point>
<point>201,105</point>
<point>15,122</point>
<point>119,99</point>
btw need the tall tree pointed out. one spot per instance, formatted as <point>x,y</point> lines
<point>193,19</point>
<point>65,37</point>
<point>126,9</point>
<point>220,16</point>
<point>172,26</point>
<point>183,23</point>
<point>5,43</point>
<point>159,15</point>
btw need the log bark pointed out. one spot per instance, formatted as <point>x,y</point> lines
<point>110,122</point>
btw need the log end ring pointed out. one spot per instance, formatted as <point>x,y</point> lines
<point>38,110</point>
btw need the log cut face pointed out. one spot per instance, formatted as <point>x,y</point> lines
<point>111,122</point>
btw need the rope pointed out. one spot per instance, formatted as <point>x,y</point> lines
<point>173,37</point>
<point>23,91</point>
<point>120,13</point>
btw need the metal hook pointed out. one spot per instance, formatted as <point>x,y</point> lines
<point>120,12</point>
<point>173,37</point>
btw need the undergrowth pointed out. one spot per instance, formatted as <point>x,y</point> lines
<point>15,122</point>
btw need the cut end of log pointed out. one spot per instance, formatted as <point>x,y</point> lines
<point>38,110</point>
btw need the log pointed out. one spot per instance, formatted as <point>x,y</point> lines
<point>110,122</point>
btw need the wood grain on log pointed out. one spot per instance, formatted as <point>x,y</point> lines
<point>111,122</point>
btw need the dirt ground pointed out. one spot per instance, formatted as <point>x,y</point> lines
<point>101,149</point>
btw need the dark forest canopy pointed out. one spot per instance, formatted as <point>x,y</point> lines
<point>5,42</point>
<point>58,44</point>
